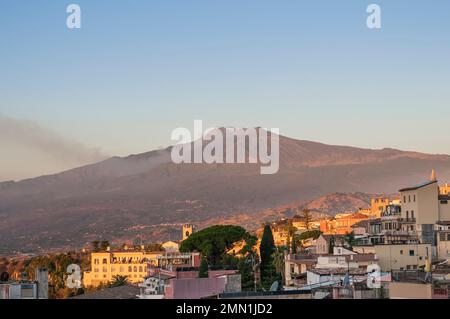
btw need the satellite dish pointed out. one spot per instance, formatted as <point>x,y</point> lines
<point>4,276</point>
<point>274,286</point>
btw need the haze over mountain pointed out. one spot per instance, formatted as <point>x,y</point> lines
<point>122,198</point>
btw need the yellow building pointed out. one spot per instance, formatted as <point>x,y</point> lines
<point>171,246</point>
<point>105,265</point>
<point>399,256</point>
<point>444,189</point>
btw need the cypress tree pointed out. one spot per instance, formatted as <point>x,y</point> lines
<point>267,249</point>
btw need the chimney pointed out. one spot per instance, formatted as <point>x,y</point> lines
<point>41,277</point>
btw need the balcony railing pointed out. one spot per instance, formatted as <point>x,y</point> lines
<point>407,220</point>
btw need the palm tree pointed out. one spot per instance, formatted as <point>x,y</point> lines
<point>278,263</point>
<point>119,280</point>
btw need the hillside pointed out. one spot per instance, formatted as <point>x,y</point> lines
<point>122,198</point>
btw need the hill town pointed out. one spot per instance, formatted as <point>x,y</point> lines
<point>396,247</point>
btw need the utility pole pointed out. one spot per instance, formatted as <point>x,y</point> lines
<point>254,271</point>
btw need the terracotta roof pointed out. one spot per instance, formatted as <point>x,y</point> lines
<point>413,188</point>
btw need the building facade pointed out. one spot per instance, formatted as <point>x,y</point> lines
<point>106,265</point>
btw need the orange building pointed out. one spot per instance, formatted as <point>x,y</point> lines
<point>378,206</point>
<point>341,225</point>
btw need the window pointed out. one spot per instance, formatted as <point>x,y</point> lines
<point>140,268</point>
<point>411,252</point>
<point>404,199</point>
<point>95,269</point>
<point>135,269</point>
<point>444,202</point>
<point>401,252</point>
<point>95,261</point>
<point>130,269</point>
<point>409,198</point>
<point>104,261</point>
<point>412,214</point>
<point>26,291</point>
<point>104,269</point>
<point>407,215</point>
<point>414,198</point>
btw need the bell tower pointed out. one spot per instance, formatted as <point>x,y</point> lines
<point>188,229</point>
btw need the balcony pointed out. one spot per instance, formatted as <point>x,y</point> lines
<point>402,233</point>
<point>410,220</point>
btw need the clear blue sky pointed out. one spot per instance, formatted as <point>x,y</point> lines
<point>138,69</point>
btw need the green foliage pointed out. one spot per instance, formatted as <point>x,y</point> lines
<point>104,244</point>
<point>95,245</point>
<point>307,217</point>
<point>331,245</point>
<point>248,264</point>
<point>349,240</point>
<point>245,267</point>
<point>314,234</point>
<point>278,263</point>
<point>213,241</point>
<point>57,269</point>
<point>267,249</point>
<point>119,280</point>
<point>154,247</point>
<point>203,271</point>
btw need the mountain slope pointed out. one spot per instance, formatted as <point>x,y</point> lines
<point>123,197</point>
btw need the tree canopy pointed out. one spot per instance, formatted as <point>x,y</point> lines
<point>212,242</point>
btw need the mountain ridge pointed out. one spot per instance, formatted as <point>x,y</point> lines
<point>105,199</point>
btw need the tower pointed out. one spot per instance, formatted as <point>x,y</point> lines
<point>433,177</point>
<point>188,229</point>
